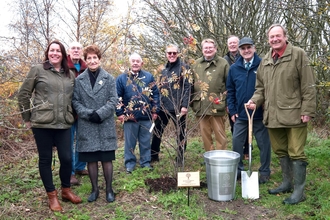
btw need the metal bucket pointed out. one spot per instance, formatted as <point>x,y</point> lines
<point>221,173</point>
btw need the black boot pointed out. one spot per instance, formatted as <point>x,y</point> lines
<point>108,172</point>
<point>93,176</point>
<point>286,186</point>
<point>299,174</point>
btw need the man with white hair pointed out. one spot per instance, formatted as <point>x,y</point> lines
<point>138,107</point>
<point>76,65</point>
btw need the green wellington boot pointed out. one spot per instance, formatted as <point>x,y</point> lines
<point>286,186</point>
<point>299,175</point>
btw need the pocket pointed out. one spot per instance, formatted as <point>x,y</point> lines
<point>289,112</point>
<point>219,107</point>
<point>69,118</point>
<point>196,105</point>
<point>43,114</point>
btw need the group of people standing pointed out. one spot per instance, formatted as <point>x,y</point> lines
<point>66,93</point>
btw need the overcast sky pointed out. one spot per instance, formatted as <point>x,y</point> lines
<point>5,17</point>
<point>6,14</point>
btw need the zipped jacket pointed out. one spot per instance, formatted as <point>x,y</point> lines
<point>138,96</point>
<point>45,97</point>
<point>286,88</point>
<point>241,86</point>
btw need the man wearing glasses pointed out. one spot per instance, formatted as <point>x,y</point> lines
<point>240,88</point>
<point>175,89</point>
<point>209,95</point>
<point>76,65</point>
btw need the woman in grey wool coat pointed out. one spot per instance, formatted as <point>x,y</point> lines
<point>95,100</point>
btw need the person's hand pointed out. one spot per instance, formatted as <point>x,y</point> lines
<point>184,111</point>
<point>95,118</point>
<point>305,118</point>
<point>154,116</point>
<point>251,105</point>
<point>121,118</point>
<point>233,118</point>
<point>27,124</point>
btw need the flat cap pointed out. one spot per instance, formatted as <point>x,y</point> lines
<point>245,41</point>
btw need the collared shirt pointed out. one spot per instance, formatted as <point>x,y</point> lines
<point>280,52</point>
<point>251,61</point>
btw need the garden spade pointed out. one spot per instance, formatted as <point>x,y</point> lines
<point>250,182</point>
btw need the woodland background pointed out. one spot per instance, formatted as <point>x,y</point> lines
<point>148,26</point>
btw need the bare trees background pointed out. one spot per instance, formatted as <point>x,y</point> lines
<point>149,25</point>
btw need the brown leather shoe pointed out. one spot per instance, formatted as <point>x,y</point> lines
<point>74,180</point>
<point>67,195</point>
<point>54,204</point>
<point>81,172</point>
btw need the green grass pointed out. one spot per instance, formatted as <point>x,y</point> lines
<point>22,195</point>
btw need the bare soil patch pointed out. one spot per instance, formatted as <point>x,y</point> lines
<point>235,209</point>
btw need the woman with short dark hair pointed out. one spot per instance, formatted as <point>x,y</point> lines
<point>95,100</point>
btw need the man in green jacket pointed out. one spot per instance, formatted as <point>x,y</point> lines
<point>285,86</point>
<point>208,95</point>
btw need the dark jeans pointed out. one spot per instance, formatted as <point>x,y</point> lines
<point>160,125</point>
<point>246,144</point>
<point>45,140</point>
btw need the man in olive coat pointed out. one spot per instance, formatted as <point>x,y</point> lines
<point>208,95</point>
<point>285,86</point>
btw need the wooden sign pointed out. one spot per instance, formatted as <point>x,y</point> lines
<point>188,179</point>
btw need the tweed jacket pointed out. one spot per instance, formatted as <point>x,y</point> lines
<point>209,82</point>
<point>286,88</point>
<point>93,137</point>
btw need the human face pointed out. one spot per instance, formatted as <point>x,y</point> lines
<point>55,55</point>
<point>276,38</point>
<point>136,64</point>
<point>75,52</point>
<point>93,62</point>
<point>172,54</point>
<point>247,51</point>
<point>233,45</point>
<point>209,50</point>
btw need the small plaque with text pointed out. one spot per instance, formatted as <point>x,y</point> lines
<point>188,179</point>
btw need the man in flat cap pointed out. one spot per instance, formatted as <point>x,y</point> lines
<point>240,88</point>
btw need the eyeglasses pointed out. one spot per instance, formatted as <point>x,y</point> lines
<point>172,53</point>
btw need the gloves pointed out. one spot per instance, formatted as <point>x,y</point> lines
<point>95,118</point>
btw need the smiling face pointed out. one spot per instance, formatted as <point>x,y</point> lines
<point>209,50</point>
<point>247,51</point>
<point>93,62</point>
<point>75,52</point>
<point>172,54</point>
<point>55,55</point>
<point>232,44</point>
<point>276,38</point>
<point>136,63</point>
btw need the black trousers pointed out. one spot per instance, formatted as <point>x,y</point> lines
<point>160,125</point>
<point>45,139</point>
